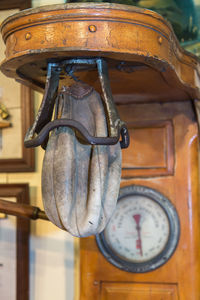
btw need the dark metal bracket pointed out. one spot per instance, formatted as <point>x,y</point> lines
<point>43,124</point>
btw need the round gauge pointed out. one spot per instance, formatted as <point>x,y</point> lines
<point>143,232</point>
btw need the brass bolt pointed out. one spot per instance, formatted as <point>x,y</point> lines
<point>28,36</point>
<point>92,28</point>
<point>160,40</point>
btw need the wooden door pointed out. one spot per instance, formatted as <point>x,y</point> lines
<point>163,155</point>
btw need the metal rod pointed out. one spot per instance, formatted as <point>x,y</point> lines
<point>113,116</point>
<point>22,210</point>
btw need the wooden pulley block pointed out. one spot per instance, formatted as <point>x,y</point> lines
<point>82,164</point>
<point>80,182</point>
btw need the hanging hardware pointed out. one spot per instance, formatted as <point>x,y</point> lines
<point>43,124</point>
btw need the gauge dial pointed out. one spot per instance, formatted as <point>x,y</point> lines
<point>142,233</point>
<point>143,228</point>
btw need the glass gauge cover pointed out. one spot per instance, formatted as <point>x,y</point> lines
<point>143,232</point>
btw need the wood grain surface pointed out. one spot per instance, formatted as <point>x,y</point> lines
<point>179,277</point>
<point>114,31</point>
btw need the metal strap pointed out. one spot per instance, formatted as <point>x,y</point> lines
<point>43,124</point>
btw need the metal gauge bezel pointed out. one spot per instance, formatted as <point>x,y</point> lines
<point>165,254</point>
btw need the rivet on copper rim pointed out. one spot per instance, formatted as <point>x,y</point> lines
<point>28,36</point>
<point>92,28</point>
<point>160,40</point>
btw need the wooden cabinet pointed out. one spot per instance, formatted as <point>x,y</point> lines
<point>163,155</point>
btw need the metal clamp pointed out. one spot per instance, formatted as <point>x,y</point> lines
<point>43,124</point>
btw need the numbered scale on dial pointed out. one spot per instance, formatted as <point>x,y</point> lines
<point>143,232</point>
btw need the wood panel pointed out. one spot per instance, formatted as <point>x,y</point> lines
<point>181,188</point>
<point>140,291</point>
<point>151,150</point>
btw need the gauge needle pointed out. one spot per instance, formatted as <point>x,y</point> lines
<point>137,219</point>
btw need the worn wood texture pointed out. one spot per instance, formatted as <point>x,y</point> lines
<point>141,38</point>
<point>80,182</point>
<point>179,277</point>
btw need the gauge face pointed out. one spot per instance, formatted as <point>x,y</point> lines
<point>139,229</point>
<point>142,233</point>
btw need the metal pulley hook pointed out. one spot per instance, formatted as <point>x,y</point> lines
<point>43,124</point>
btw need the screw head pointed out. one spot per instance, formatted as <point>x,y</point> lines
<point>160,40</point>
<point>28,36</point>
<point>92,28</point>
